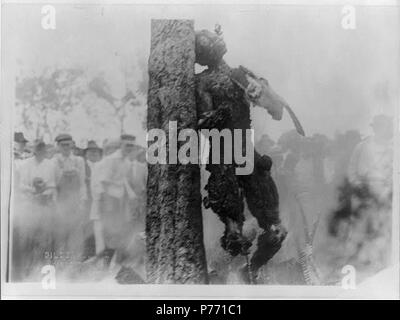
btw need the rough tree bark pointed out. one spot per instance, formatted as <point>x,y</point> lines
<point>174,230</point>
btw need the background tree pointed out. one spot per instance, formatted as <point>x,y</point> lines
<point>120,106</point>
<point>44,101</point>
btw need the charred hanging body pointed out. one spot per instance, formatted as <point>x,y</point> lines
<point>223,97</point>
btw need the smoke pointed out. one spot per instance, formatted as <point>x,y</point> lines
<point>361,224</point>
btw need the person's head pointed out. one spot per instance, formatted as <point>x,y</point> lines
<point>93,152</point>
<point>352,136</point>
<point>266,141</point>
<point>20,141</point>
<point>110,146</point>
<point>210,48</point>
<point>39,150</point>
<point>65,144</point>
<point>50,151</point>
<point>127,144</point>
<point>382,125</point>
<point>320,145</point>
<point>290,140</point>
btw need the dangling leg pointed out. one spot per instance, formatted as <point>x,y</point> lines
<point>263,202</point>
<point>225,199</point>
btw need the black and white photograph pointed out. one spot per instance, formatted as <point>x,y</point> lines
<point>201,149</point>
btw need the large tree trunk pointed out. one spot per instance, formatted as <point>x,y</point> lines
<point>174,230</point>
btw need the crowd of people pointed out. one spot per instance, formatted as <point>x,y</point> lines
<point>76,206</point>
<point>335,201</point>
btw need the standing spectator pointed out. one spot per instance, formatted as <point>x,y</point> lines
<point>370,177</point>
<point>71,196</point>
<point>137,181</point>
<point>299,208</point>
<point>109,147</point>
<point>20,150</point>
<point>112,195</point>
<point>372,160</point>
<point>92,154</point>
<point>339,156</point>
<point>34,217</point>
<point>133,270</point>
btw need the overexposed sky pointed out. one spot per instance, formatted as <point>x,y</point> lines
<point>333,78</point>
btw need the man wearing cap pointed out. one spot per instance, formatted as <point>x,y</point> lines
<point>34,215</point>
<point>112,194</point>
<point>71,197</point>
<point>92,154</point>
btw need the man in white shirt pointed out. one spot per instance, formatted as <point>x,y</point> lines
<point>372,160</point>
<point>33,219</point>
<point>112,194</point>
<point>134,262</point>
<point>71,197</point>
<point>370,175</point>
<point>93,154</point>
<point>137,181</point>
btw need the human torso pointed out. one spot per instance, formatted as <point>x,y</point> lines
<point>375,160</point>
<point>117,170</point>
<point>218,84</point>
<point>68,171</point>
<point>31,169</point>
